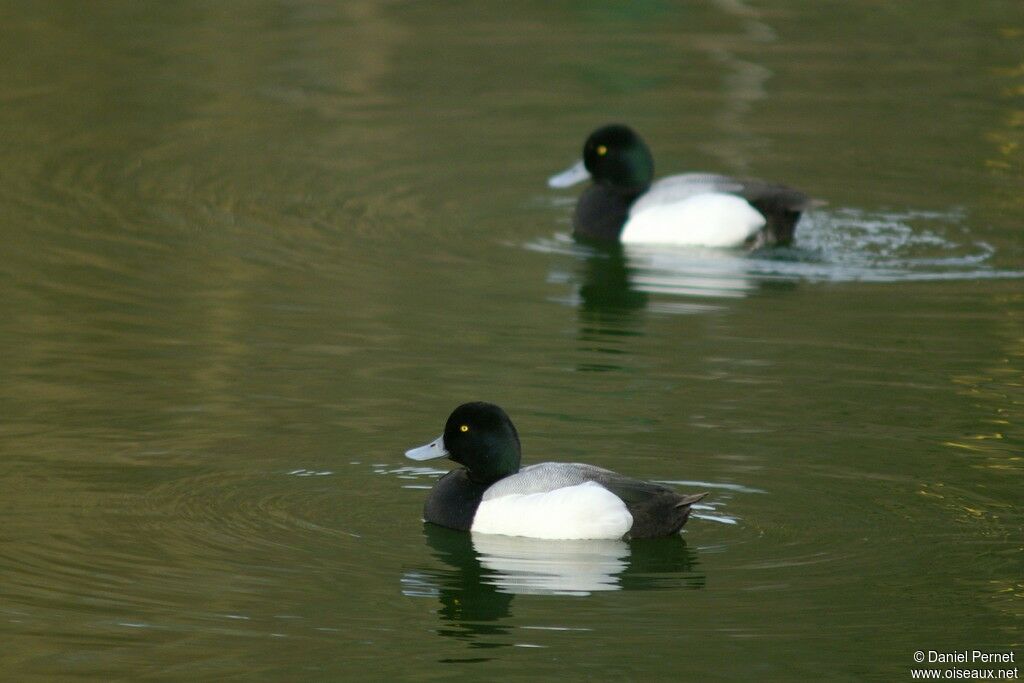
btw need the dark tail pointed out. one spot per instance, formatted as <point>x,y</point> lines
<point>687,501</point>
<point>683,508</point>
<point>782,209</point>
<point>780,224</point>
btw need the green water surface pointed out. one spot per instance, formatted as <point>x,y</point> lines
<point>250,252</point>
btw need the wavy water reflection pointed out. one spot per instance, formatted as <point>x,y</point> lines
<point>484,573</point>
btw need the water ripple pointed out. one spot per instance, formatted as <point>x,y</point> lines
<point>840,245</point>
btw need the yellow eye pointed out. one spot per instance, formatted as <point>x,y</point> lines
<point>464,428</point>
<point>601,150</point>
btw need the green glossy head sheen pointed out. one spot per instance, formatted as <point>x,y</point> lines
<point>616,156</point>
<point>481,437</point>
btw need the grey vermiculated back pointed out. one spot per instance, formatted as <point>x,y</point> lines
<point>679,187</point>
<point>548,476</point>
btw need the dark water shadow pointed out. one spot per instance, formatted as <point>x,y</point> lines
<point>610,307</point>
<point>606,290</point>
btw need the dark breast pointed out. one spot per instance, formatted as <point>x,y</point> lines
<point>453,501</point>
<point>600,213</point>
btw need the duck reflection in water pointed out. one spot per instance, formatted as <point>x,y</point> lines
<point>614,285</point>
<point>606,288</point>
<point>608,306</point>
<point>486,571</point>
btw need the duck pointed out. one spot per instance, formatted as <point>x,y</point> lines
<point>490,494</point>
<point>625,204</point>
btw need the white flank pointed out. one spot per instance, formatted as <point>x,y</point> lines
<point>587,510</point>
<point>712,219</point>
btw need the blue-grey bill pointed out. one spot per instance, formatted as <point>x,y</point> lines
<point>577,173</point>
<point>434,449</point>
